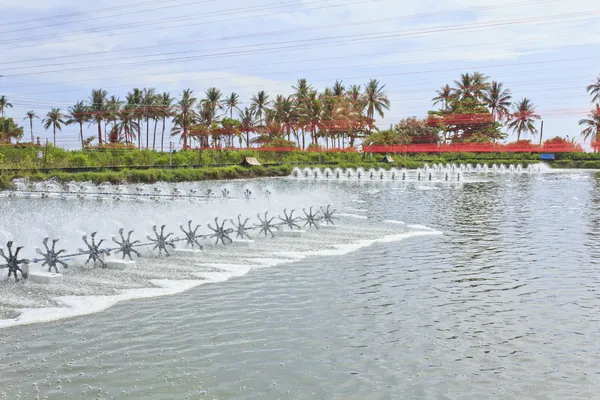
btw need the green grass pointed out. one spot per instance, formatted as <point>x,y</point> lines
<point>151,175</point>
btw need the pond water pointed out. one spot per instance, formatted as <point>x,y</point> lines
<point>487,287</point>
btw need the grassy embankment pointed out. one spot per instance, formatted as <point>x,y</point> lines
<point>146,166</point>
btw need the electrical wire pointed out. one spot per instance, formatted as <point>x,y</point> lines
<point>413,16</point>
<point>378,37</point>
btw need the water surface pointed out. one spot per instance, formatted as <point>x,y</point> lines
<point>502,304</point>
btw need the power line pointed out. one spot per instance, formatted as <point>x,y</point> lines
<point>519,4</point>
<point>267,6</point>
<point>418,50</point>
<point>349,38</point>
<point>119,14</point>
<point>406,73</point>
<point>27,21</point>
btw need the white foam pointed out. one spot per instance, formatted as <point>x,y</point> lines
<point>352,216</point>
<point>341,249</point>
<point>357,209</point>
<point>393,221</point>
<point>83,305</point>
<point>423,227</point>
<point>427,188</point>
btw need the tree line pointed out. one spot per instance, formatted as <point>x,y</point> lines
<point>338,115</point>
<point>473,109</point>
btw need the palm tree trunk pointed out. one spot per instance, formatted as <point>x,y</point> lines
<point>147,132</point>
<point>54,135</point>
<point>139,133</point>
<point>247,139</point>
<point>31,128</point>
<point>162,139</point>
<point>99,132</point>
<point>80,133</point>
<point>154,139</point>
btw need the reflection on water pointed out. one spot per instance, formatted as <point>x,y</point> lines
<point>502,305</point>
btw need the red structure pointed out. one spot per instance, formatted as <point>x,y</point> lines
<point>475,148</point>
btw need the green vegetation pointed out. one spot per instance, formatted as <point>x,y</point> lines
<point>130,135</point>
<point>150,175</point>
<point>473,108</point>
<point>148,166</point>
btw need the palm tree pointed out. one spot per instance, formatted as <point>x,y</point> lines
<point>77,115</point>
<point>497,100</point>
<point>311,117</point>
<point>259,104</point>
<point>4,104</point>
<point>592,124</point>
<point>31,115</point>
<point>480,84</point>
<point>594,90</point>
<point>54,119</point>
<point>211,103</point>
<point>464,86</point>
<point>375,99</point>
<point>247,123</point>
<point>134,103</point>
<point>148,101</point>
<point>338,89</point>
<point>113,106</point>
<point>523,117</point>
<point>97,108</point>
<point>127,124</point>
<point>302,89</point>
<point>165,104</point>
<point>444,95</point>
<point>185,115</point>
<point>232,103</point>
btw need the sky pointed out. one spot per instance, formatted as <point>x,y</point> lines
<point>54,52</point>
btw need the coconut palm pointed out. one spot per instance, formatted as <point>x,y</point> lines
<point>113,106</point>
<point>464,86</point>
<point>126,126</point>
<point>30,115</point>
<point>375,99</point>
<point>78,115</point>
<point>134,104</point>
<point>185,115</point>
<point>211,104</point>
<point>232,103</point>
<point>4,104</point>
<point>165,104</point>
<point>97,108</point>
<point>53,119</point>
<point>444,95</point>
<point>259,104</point>
<point>480,84</point>
<point>311,117</point>
<point>594,90</point>
<point>498,100</point>
<point>302,90</point>
<point>592,126</point>
<point>247,123</point>
<point>355,92</point>
<point>523,117</point>
<point>148,103</point>
<point>338,89</point>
